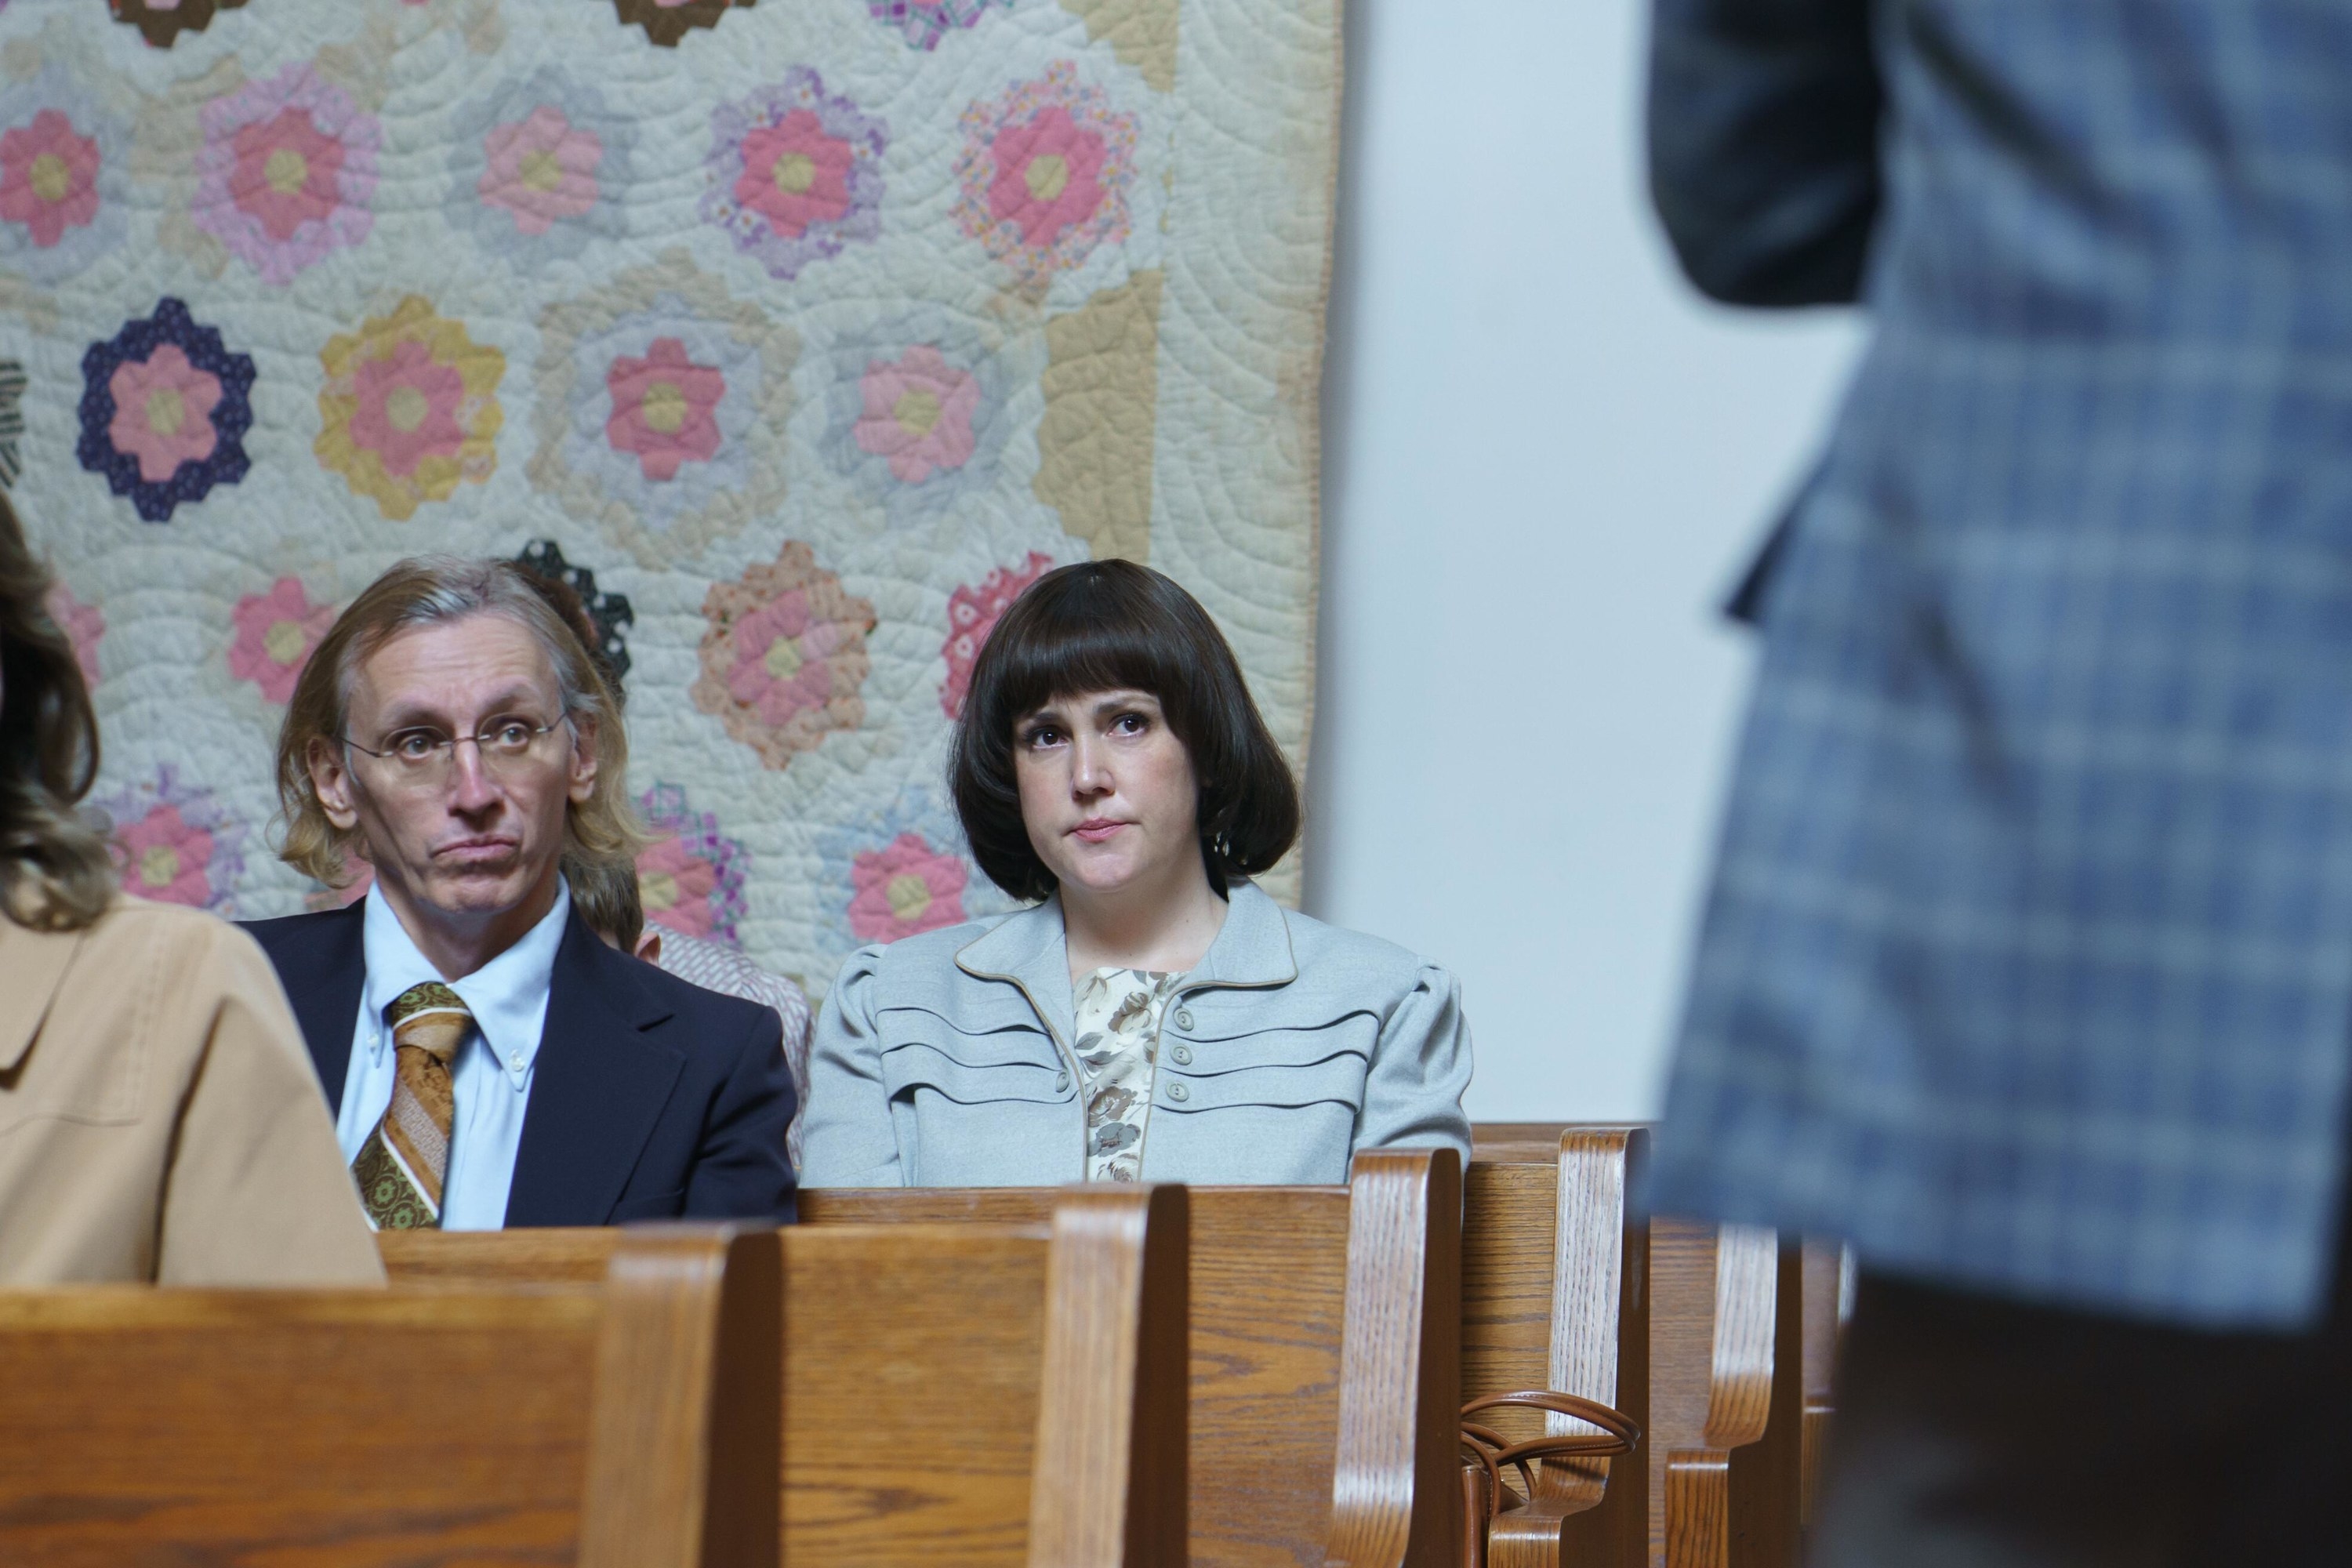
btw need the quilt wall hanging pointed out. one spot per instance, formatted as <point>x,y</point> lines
<point>799,334</point>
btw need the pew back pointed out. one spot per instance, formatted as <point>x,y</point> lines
<point>1324,1372</point>
<point>360,1427</point>
<point>987,1396</point>
<point>1554,1296</point>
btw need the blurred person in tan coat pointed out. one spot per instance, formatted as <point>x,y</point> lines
<point>159,1118</point>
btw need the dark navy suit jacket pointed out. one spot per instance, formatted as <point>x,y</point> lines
<point>651,1099</point>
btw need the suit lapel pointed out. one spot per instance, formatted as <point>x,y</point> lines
<point>324,980</point>
<point>598,1088</point>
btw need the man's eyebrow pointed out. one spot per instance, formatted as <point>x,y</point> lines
<point>408,714</point>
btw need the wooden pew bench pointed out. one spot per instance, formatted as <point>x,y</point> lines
<point>1713,1339</point>
<point>1555,1296</point>
<point>610,1423</point>
<point>1324,1357</point>
<point>987,1396</point>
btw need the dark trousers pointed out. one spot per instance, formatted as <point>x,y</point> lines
<point>1975,1431</point>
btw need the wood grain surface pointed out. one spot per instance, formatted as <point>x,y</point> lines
<point>1269,1310</point>
<point>1713,1316</point>
<point>1554,1296</point>
<point>357,1429</point>
<point>1825,1268</point>
<point>943,1383</point>
<point>1109,1487</point>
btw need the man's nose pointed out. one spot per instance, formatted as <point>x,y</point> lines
<point>471,788</point>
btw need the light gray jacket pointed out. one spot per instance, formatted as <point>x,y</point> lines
<point>944,1061</point>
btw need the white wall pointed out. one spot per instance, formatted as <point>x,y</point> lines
<point>1546,459</point>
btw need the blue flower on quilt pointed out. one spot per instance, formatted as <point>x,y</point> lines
<point>898,872</point>
<point>174,843</point>
<point>62,178</point>
<point>917,409</point>
<point>795,172</point>
<point>924,21</point>
<point>540,165</point>
<point>660,406</point>
<point>164,409</point>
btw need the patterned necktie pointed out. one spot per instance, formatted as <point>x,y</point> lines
<point>401,1166</point>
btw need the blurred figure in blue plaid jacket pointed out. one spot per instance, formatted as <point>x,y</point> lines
<point>2027,963</point>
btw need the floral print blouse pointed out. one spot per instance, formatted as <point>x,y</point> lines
<point>1118,1018</point>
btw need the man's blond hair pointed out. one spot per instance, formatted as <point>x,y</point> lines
<point>419,591</point>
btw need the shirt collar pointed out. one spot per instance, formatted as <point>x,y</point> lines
<point>507,995</point>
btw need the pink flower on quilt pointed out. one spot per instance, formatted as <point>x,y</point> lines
<point>918,412</point>
<point>408,408</point>
<point>48,177</point>
<point>164,412</point>
<point>904,889</point>
<point>1044,176</point>
<point>664,408</point>
<point>780,665</point>
<point>794,174</point>
<point>676,886</point>
<point>84,626</point>
<point>274,634</point>
<point>972,613</point>
<point>164,857</point>
<point>542,169</point>
<point>286,172</point>
<point>1048,175</point>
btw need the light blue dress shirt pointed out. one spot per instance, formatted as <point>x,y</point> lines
<point>508,997</point>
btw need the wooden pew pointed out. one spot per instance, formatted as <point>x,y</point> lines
<point>1325,1373</point>
<point>610,1423</point>
<point>1826,1269</point>
<point>1723,1377</point>
<point>986,1395</point>
<point>1555,1296</point>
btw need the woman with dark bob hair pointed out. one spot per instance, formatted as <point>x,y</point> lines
<point>159,1118</point>
<point>1155,1015</point>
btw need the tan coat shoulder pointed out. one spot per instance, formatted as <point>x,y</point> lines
<point>159,1117</point>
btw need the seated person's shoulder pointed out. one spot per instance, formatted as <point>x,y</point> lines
<point>138,933</point>
<point>715,1020</point>
<point>924,962</point>
<point>1329,953</point>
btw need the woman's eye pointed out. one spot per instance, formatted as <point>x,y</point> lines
<point>1130,725</point>
<point>1043,736</point>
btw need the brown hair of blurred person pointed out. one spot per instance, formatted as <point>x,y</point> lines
<point>605,893</point>
<point>55,873</point>
<point>420,592</point>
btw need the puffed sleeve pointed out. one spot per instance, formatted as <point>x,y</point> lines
<point>255,1192</point>
<point>847,1133</point>
<point>1421,1065</point>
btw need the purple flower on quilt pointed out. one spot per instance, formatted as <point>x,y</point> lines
<point>286,172</point>
<point>164,409</point>
<point>795,172</point>
<point>174,843</point>
<point>690,878</point>
<point>925,22</point>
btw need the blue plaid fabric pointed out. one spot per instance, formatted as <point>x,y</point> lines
<point>2027,963</point>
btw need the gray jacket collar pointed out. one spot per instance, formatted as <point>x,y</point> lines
<point>1252,948</point>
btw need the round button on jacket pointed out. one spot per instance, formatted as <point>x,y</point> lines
<point>1183,1018</point>
<point>1182,1056</point>
<point>1178,1092</point>
<point>1061,1081</point>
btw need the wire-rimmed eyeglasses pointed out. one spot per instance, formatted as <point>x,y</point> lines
<point>422,754</point>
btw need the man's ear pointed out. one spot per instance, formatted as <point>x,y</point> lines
<point>330,779</point>
<point>649,946</point>
<point>583,758</point>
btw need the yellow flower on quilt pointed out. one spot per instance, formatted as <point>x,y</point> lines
<point>409,408</point>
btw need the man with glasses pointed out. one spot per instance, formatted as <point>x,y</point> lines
<point>491,1062</point>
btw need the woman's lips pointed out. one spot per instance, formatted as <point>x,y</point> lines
<point>1097,829</point>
